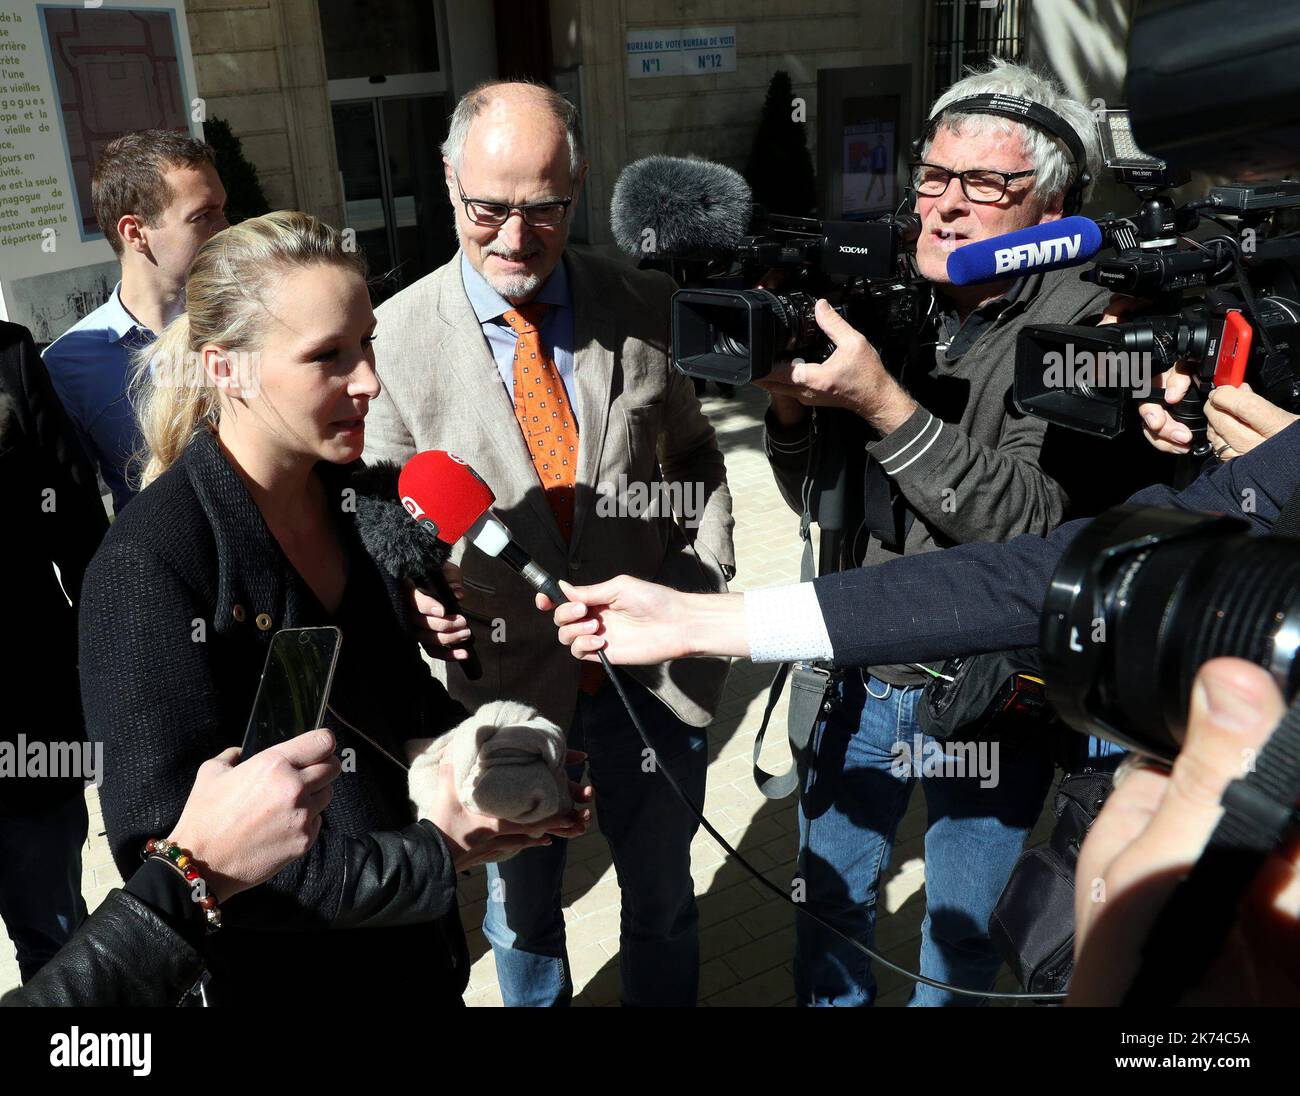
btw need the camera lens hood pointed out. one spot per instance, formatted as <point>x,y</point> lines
<point>1101,628</point>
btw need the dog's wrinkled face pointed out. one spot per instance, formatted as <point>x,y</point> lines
<point>507,762</point>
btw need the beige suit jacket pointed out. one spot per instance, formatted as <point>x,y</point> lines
<point>639,424</point>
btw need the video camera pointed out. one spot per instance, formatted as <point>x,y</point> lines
<point>1144,597</point>
<point>696,221</point>
<point>734,335</point>
<point>1242,324</point>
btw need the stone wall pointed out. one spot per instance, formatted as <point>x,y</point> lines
<point>715,116</point>
<point>260,66</point>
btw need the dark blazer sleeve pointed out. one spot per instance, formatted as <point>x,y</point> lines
<point>150,698</point>
<point>60,479</point>
<point>976,598</point>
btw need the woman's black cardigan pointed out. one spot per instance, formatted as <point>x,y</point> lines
<point>179,606</point>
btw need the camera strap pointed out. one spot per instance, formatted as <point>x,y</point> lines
<point>809,683</point>
<point>1259,812</point>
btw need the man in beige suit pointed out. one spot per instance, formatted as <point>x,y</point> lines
<point>547,370</point>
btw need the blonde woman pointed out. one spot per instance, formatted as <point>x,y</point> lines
<point>253,407</point>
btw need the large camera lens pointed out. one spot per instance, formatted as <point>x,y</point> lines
<point>722,335</point>
<point>735,335</point>
<point>797,333</point>
<point>730,336</point>
<point>1142,598</point>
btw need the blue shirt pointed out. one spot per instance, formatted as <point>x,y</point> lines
<point>556,330</point>
<point>90,366</point>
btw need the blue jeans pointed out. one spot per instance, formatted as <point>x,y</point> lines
<point>649,831</point>
<point>863,761</point>
<point>40,880</point>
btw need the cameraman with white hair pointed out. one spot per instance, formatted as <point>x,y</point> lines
<point>943,459</point>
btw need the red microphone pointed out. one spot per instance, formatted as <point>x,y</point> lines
<point>450,500</point>
<point>443,494</point>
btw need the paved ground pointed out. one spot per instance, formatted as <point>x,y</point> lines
<point>747,935</point>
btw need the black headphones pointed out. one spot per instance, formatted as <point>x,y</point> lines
<point>1022,110</point>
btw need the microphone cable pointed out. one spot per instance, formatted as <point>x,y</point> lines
<point>767,883</point>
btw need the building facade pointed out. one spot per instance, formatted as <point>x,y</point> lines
<point>341,104</point>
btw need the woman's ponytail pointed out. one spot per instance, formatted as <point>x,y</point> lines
<point>172,398</point>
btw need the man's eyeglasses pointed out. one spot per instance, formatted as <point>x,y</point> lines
<point>495,214</point>
<point>978,184</point>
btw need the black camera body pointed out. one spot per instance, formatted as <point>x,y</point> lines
<point>1228,308</point>
<point>725,329</point>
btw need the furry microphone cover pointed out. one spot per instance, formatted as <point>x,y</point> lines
<point>399,545</point>
<point>688,206</point>
<point>507,760</point>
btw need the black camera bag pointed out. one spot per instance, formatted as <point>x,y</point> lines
<point>1033,922</point>
<point>977,695</point>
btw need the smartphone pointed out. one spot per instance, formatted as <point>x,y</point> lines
<point>295,686</point>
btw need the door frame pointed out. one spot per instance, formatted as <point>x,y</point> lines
<point>381,86</point>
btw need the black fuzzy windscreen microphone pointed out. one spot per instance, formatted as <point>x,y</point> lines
<point>665,205</point>
<point>400,545</point>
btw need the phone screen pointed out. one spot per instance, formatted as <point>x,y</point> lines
<point>295,686</point>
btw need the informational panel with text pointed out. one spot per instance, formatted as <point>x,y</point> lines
<point>73,77</point>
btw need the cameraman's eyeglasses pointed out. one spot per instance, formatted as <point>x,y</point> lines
<point>535,214</point>
<point>978,184</point>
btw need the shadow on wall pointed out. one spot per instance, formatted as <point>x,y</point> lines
<point>1083,43</point>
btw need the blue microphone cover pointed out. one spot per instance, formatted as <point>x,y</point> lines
<point>1070,241</point>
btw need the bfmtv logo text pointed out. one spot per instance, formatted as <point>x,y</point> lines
<point>1061,249</point>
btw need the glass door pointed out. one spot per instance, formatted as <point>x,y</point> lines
<point>365,201</point>
<point>389,97</point>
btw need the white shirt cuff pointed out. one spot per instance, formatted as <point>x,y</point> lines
<point>785,624</point>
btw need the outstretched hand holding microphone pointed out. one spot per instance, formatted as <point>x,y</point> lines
<point>638,623</point>
<point>448,499</point>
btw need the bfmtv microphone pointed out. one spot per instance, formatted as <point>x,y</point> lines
<point>665,205</point>
<point>446,496</point>
<point>1071,241</point>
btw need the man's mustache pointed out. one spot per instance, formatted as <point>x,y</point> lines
<point>513,256</point>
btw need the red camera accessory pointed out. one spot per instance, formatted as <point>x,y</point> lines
<point>1235,340</point>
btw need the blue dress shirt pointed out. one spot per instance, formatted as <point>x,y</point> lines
<point>556,330</point>
<point>90,366</point>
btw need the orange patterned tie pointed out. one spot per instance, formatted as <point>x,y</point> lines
<point>542,410</point>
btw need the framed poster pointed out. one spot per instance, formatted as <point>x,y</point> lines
<point>73,77</point>
<point>864,125</point>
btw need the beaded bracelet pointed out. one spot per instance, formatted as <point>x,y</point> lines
<point>183,863</point>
